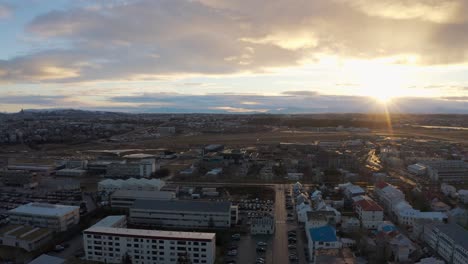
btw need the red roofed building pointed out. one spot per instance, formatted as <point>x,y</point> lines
<point>381,185</point>
<point>370,213</point>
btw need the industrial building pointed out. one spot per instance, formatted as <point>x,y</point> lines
<point>116,244</point>
<point>447,170</point>
<point>182,213</point>
<point>26,237</point>
<point>125,199</point>
<point>109,186</point>
<point>53,216</point>
<point>128,168</point>
<point>19,178</point>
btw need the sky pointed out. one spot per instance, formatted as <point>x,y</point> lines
<point>242,56</point>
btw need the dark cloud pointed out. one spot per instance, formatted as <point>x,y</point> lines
<point>287,103</point>
<point>301,93</point>
<point>31,100</point>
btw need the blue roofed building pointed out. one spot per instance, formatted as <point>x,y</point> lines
<point>322,238</point>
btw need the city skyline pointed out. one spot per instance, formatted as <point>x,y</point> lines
<point>222,56</point>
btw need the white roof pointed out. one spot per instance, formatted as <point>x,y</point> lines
<point>44,209</point>
<point>158,234</point>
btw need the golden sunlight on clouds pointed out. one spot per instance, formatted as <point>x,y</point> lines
<point>53,72</point>
<point>438,11</point>
<point>287,40</point>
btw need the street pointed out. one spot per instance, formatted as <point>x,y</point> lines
<point>280,240</point>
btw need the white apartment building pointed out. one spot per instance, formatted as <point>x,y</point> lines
<point>262,226</point>
<point>53,216</point>
<point>182,213</point>
<point>449,241</point>
<point>125,199</point>
<point>370,213</point>
<point>410,216</point>
<point>116,244</point>
<point>388,195</point>
<point>109,186</point>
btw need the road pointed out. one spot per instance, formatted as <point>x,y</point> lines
<point>280,241</point>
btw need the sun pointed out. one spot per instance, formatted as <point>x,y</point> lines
<point>382,97</point>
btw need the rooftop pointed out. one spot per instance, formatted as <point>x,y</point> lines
<point>155,234</point>
<point>323,234</point>
<point>183,205</point>
<point>368,205</point>
<point>110,221</point>
<point>455,232</point>
<point>165,195</point>
<point>21,232</point>
<point>43,209</point>
<point>47,259</point>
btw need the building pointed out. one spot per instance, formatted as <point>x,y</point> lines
<point>417,169</point>
<point>19,178</point>
<point>262,226</point>
<point>109,186</point>
<point>116,244</point>
<point>388,195</point>
<point>350,224</point>
<point>70,172</point>
<point>125,199</point>
<point>113,221</point>
<point>447,170</point>
<point>369,212</point>
<point>181,213</point>
<point>449,241</point>
<point>351,191</point>
<point>463,196</point>
<point>26,237</point>
<point>127,168</point>
<point>321,238</point>
<point>53,216</point>
<point>47,259</point>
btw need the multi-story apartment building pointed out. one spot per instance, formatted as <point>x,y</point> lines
<point>181,213</point>
<point>449,241</point>
<point>388,195</point>
<point>53,216</point>
<point>117,244</point>
<point>370,213</point>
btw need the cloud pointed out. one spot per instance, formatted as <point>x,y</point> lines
<point>31,100</point>
<point>288,102</point>
<point>5,11</point>
<point>301,93</point>
<point>152,40</point>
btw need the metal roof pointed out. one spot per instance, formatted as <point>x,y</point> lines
<point>323,234</point>
<point>183,205</point>
<point>43,209</point>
